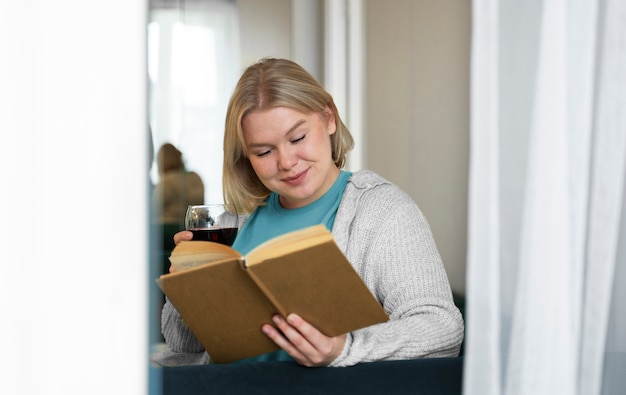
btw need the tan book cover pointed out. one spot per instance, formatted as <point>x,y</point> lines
<point>225,298</point>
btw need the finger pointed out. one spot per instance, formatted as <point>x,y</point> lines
<point>302,342</point>
<point>306,330</point>
<point>319,349</point>
<point>290,340</point>
<point>291,332</point>
<point>184,235</point>
<point>281,341</point>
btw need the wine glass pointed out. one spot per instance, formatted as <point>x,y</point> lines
<point>212,222</point>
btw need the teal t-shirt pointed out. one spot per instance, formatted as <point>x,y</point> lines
<point>271,220</point>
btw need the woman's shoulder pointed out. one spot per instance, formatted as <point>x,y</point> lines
<point>363,179</point>
<point>370,181</point>
<point>368,186</point>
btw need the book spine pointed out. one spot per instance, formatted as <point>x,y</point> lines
<point>268,294</point>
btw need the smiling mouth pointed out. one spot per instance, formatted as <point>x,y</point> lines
<point>295,179</point>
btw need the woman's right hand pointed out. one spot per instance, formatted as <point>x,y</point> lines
<point>183,235</point>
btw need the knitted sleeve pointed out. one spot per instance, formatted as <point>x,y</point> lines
<point>389,242</point>
<point>177,334</point>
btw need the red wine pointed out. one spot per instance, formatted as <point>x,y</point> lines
<point>218,235</point>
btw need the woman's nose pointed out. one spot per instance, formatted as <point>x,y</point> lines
<point>287,159</point>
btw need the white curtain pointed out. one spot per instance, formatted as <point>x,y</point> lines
<point>193,63</point>
<point>73,166</point>
<point>546,298</point>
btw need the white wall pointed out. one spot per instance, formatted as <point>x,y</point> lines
<point>265,28</point>
<point>418,112</point>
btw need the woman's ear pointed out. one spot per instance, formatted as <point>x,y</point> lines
<point>331,122</point>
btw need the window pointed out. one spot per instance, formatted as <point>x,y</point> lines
<point>193,65</point>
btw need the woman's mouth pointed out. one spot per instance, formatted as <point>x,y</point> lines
<point>296,179</point>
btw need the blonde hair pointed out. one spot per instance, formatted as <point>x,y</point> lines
<point>267,84</point>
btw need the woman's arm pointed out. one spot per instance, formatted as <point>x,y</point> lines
<point>177,334</point>
<point>391,246</point>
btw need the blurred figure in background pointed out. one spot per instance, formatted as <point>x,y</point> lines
<point>176,189</point>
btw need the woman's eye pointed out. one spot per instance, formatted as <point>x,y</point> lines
<point>298,139</point>
<point>263,153</point>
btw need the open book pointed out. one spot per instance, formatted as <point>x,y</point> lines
<point>225,298</point>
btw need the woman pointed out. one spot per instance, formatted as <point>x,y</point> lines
<point>284,148</point>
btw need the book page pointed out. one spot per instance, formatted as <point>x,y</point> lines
<point>188,254</point>
<point>288,243</point>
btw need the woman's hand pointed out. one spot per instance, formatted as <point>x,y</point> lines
<point>184,235</point>
<point>301,340</point>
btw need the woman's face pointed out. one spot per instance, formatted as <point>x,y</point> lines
<point>291,153</point>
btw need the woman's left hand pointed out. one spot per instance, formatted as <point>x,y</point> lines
<point>307,345</point>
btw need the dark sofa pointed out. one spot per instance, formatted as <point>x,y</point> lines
<point>439,376</point>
